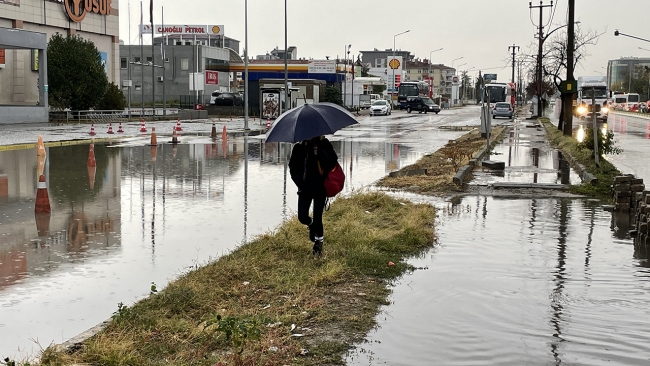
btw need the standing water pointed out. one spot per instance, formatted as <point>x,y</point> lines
<point>519,282</point>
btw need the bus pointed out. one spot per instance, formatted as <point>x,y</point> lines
<point>499,93</point>
<point>632,102</point>
<point>411,89</point>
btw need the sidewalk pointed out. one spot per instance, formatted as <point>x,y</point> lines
<point>524,159</point>
<point>17,136</point>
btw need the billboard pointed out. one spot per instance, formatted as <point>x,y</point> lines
<point>211,77</point>
<point>183,29</point>
<point>270,104</point>
<point>322,67</point>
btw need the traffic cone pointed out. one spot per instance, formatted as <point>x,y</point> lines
<point>178,125</point>
<point>110,128</point>
<point>42,205</point>
<point>119,129</point>
<point>174,137</point>
<point>224,134</point>
<point>92,171</point>
<point>154,140</point>
<point>40,147</point>
<point>41,163</point>
<point>224,141</point>
<point>143,128</point>
<point>213,134</point>
<point>268,123</point>
<point>92,130</point>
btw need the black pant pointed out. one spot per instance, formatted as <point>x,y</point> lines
<point>315,226</point>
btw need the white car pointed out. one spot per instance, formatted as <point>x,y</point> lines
<point>380,107</point>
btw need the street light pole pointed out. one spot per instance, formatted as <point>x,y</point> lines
<point>452,67</point>
<point>431,77</point>
<point>346,52</point>
<point>461,99</point>
<point>617,33</point>
<point>393,68</point>
<point>287,102</point>
<point>246,65</point>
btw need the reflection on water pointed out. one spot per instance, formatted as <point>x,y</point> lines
<point>547,283</point>
<point>142,214</point>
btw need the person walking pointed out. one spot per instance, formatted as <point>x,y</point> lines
<point>310,162</point>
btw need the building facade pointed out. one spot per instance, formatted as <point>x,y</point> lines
<point>19,67</point>
<point>174,75</point>
<point>629,75</point>
<point>417,70</point>
<point>201,39</point>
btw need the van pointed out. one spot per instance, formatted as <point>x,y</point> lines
<point>366,103</point>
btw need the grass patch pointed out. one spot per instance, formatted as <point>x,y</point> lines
<point>239,309</point>
<point>569,145</point>
<point>441,166</point>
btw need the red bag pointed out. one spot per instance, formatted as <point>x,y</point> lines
<point>334,181</point>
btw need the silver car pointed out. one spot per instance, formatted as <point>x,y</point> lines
<point>502,110</point>
<point>380,107</point>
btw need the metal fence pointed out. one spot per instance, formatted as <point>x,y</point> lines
<point>97,117</point>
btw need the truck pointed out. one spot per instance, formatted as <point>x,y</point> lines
<point>588,88</point>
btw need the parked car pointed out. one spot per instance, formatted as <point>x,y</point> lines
<point>422,105</point>
<point>214,96</point>
<point>366,103</point>
<point>228,99</point>
<point>502,110</point>
<point>380,107</point>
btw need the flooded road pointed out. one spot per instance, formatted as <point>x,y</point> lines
<point>146,215</point>
<point>514,282</point>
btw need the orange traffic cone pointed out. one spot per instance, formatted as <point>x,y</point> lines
<point>154,140</point>
<point>174,137</point>
<point>224,142</point>
<point>268,123</point>
<point>119,129</point>
<point>91,155</point>
<point>142,126</point>
<point>178,125</point>
<point>92,171</point>
<point>92,130</point>
<point>224,134</point>
<point>40,147</point>
<point>42,205</point>
<point>213,134</point>
<point>43,224</point>
<point>41,163</point>
<point>110,128</point>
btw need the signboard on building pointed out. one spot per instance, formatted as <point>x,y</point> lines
<point>489,77</point>
<point>211,77</point>
<point>322,67</point>
<point>77,9</point>
<point>394,69</point>
<point>184,29</point>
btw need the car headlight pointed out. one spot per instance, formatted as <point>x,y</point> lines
<point>582,110</point>
<point>604,110</point>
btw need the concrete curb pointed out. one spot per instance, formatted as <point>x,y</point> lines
<point>466,170</point>
<point>631,114</point>
<point>579,168</point>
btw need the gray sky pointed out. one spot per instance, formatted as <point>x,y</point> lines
<point>479,31</point>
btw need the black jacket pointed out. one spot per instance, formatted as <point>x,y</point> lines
<point>304,166</point>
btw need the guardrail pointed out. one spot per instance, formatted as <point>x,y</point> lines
<point>98,117</point>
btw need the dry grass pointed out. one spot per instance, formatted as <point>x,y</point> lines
<point>441,166</point>
<point>273,280</point>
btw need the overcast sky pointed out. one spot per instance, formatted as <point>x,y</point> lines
<point>477,30</point>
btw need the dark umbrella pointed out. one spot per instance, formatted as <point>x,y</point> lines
<point>309,120</point>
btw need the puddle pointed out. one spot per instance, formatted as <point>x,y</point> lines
<point>513,282</point>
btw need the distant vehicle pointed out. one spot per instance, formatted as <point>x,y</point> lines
<point>228,99</point>
<point>632,103</point>
<point>380,107</point>
<point>592,88</point>
<point>368,100</point>
<point>502,109</point>
<point>411,89</point>
<point>213,96</point>
<point>422,105</point>
<point>498,93</point>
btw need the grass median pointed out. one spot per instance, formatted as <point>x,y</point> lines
<point>438,169</point>
<point>270,302</point>
<point>569,145</point>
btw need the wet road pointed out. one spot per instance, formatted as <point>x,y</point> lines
<point>147,215</point>
<point>519,282</point>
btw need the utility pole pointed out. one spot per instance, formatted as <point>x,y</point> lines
<point>541,7</point>
<point>567,99</point>
<point>515,49</point>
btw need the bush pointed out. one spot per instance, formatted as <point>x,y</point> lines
<point>606,142</point>
<point>113,99</point>
<point>333,95</point>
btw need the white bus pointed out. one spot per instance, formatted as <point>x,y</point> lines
<point>499,92</point>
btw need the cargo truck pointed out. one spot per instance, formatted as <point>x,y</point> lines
<point>590,88</point>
